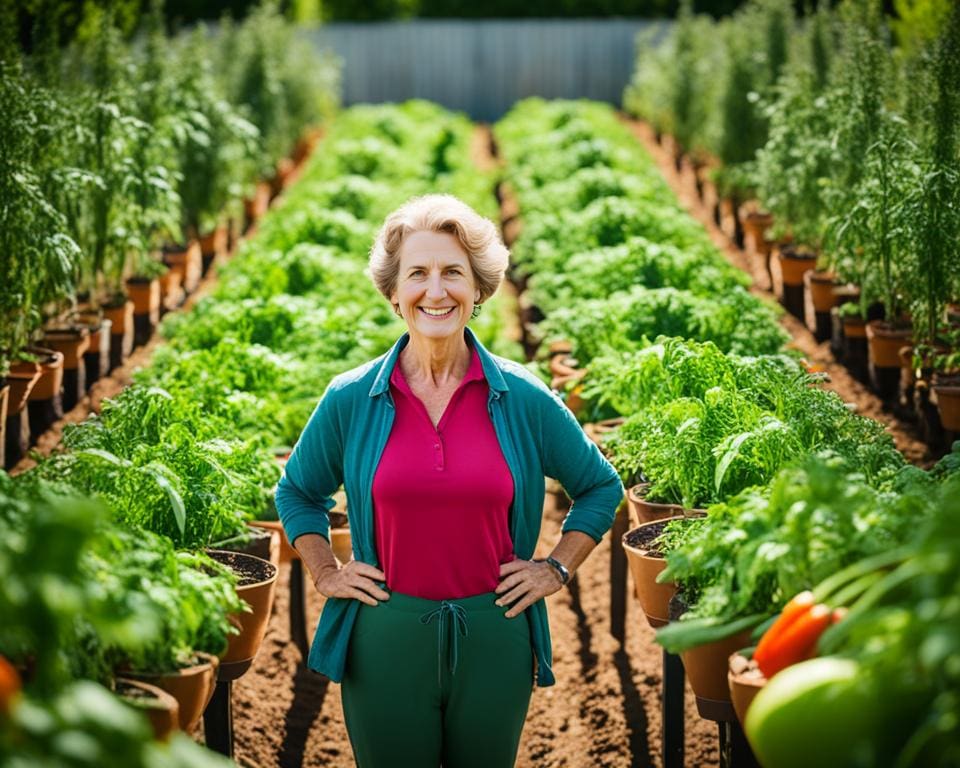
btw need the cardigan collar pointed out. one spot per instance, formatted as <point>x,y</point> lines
<point>491,370</point>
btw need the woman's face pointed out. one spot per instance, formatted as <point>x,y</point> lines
<point>436,289</point>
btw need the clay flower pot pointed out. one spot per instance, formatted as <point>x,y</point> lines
<point>171,290</point>
<point>214,243</point>
<point>257,540</point>
<point>745,681</point>
<point>794,264</point>
<point>649,511</point>
<point>285,552</point>
<point>4,397</point>
<point>73,342</point>
<point>755,224</point>
<point>22,378</point>
<point>948,403</point>
<point>161,709</point>
<point>51,374</point>
<point>258,581</point>
<point>144,292</point>
<point>257,205</point>
<point>191,686</point>
<point>707,666</point>
<point>188,261</point>
<point>884,343</point>
<point>121,332</point>
<point>646,563</point>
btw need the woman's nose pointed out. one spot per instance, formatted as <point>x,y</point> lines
<point>435,287</point>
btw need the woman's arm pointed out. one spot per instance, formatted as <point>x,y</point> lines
<point>526,581</point>
<point>354,579</point>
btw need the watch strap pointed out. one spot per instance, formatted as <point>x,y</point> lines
<point>560,568</point>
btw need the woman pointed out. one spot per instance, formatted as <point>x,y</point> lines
<point>437,628</point>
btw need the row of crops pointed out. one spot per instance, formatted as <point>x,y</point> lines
<point>122,166</point>
<point>655,334</point>
<point>835,137</point>
<point>185,457</point>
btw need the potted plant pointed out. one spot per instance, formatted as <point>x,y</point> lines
<point>645,555</point>
<point>72,340</point>
<point>256,585</point>
<point>931,208</point>
<point>39,254</point>
<point>159,707</point>
<point>216,150</point>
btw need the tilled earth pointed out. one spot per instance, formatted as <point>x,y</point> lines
<point>603,711</point>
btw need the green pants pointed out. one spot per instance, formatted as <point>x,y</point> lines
<point>431,683</point>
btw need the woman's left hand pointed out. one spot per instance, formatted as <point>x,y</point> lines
<point>525,582</point>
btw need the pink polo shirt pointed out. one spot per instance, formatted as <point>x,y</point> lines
<point>441,496</point>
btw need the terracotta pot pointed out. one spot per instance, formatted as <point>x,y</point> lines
<point>745,682</point>
<point>122,332</point>
<point>171,290</point>
<point>145,295</point>
<point>948,404</point>
<point>258,595</point>
<point>707,665</point>
<point>188,261</point>
<point>283,175</point>
<point>854,327</point>
<point>73,343</point>
<point>649,511</point>
<point>820,286</point>
<point>562,366</point>
<point>4,397</point>
<point>259,203</point>
<point>794,264</point>
<point>256,540</point>
<point>560,347</point>
<point>51,374</point>
<point>570,396</point>
<point>884,343</point>
<point>191,686</point>
<point>645,566</point>
<point>755,225</point>
<point>121,318</point>
<point>214,243</point>
<point>285,552</point>
<point>21,379</point>
<point>161,709</point>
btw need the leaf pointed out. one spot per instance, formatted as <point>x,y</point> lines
<point>176,500</point>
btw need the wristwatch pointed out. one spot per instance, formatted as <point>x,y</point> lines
<point>560,568</point>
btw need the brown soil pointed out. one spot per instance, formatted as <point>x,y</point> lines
<point>643,537</point>
<point>248,570</point>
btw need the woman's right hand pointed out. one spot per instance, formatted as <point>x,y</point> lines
<point>354,580</point>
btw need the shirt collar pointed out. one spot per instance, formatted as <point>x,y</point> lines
<point>488,366</point>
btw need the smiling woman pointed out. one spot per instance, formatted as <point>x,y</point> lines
<point>437,628</point>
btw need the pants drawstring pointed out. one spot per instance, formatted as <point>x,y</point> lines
<point>458,628</point>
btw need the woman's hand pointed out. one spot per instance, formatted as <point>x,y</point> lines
<point>354,580</point>
<point>526,581</point>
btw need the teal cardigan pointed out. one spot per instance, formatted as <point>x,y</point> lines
<point>344,439</point>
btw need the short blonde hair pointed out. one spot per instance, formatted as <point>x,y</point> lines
<point>440,213</point>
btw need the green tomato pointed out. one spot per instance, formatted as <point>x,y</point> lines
<point>816,713</point>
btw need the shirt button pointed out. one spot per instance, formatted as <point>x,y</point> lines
<point>437,446</point>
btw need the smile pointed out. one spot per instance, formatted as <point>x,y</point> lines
<point>436,312</point>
